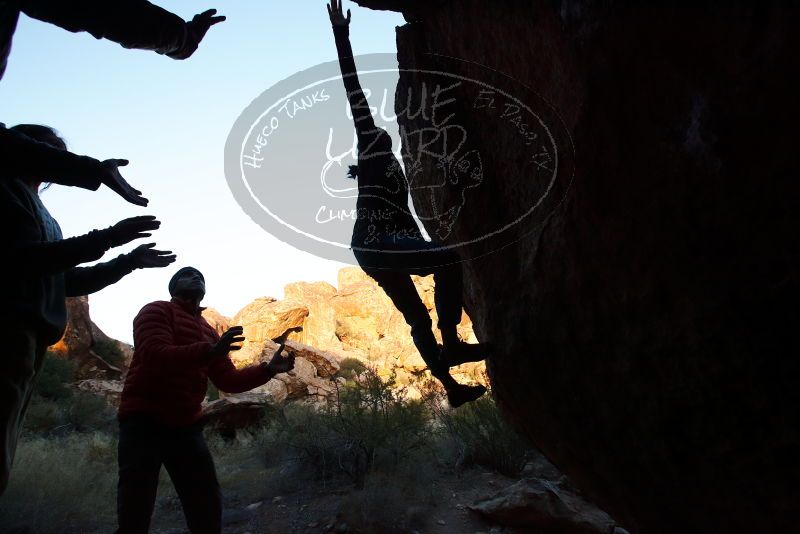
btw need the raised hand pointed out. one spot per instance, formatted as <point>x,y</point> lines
<point>280,364</point>
<point>110,176</point>
<point>281,339</point>
<point>146,257</point>
<point>129,229</point>
<point>227,342</point>
<point>335,12</point>
<point>196,31</point>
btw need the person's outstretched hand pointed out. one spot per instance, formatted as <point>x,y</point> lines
<point>129,229</point>
<point>228,342</point>
<point>335,12</point>
<point>110,176</point>
<point>196,30</point>
<point>147,257</point>
<point>281,339</point>
<point>280,364</point>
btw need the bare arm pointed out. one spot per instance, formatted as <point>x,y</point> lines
<point>362,117</point>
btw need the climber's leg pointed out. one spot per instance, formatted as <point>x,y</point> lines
<point>400,289</point>
<point>448,298</point>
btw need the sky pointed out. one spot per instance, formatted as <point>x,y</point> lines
<point>171,119</point>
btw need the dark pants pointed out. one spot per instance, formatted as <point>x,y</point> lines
<point>143,447</point>
<point>20,362</point>
<point>392,268</point>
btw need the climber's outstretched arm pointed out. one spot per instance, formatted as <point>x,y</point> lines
<point>358,101</point>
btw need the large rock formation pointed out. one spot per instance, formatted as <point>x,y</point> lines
<point>319,328</point>
<point>368,323</point>
<point>644,314</point>
<point>218,322</point>
<point>264,319</point>
<point>95,355</point>
<point>355,320</point>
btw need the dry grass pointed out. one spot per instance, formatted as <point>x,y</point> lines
<point>68,484</point>
<point>387,451</point>
<point>62,485</point>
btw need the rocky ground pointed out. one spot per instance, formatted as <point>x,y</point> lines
<point>429,494</point>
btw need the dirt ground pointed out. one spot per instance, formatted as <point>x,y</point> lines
<point>335,506</point>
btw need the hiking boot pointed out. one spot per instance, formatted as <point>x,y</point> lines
<point>461,353</point>
<point>462,394</point>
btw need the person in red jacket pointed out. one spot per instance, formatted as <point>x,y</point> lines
<point>176,352</point>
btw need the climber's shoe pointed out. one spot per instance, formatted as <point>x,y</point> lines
<point>461,353</point>
<point>462,394</point>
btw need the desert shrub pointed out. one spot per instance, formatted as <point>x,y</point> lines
<point>88,413</point>
<point>52,381</point>
<point>370,425</point>
<point>51,396</point>
<point>350,368</point>
<point>301,434</point>
<point>377,423</point>
<point>110,352</point>
<point>478,433</point>
<point>55,408</point>
<point>44,416</point>
<point>82,412</point>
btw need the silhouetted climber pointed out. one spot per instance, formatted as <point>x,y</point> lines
<point>131,23</point>
<point>388,244</point>
<point>41,270</point>
<point>176,352</point>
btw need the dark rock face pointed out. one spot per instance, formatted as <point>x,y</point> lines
<point>644,316</point>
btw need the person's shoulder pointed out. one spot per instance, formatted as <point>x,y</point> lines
<point>209,329</point>
<point>155,307</point>
<point>15,187</point>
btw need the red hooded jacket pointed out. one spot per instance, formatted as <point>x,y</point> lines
<point>170,369</point>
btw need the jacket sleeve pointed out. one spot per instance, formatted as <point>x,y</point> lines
<point>362,116</point>
<point>229,379</point>
<point>33,256</point>
<point>131,23</point>
<point>20,155</point>
<point>153,335</point>
<point>44,258</point>
<point>80,281</point>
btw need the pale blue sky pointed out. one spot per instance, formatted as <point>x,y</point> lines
<point>170,119</point>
